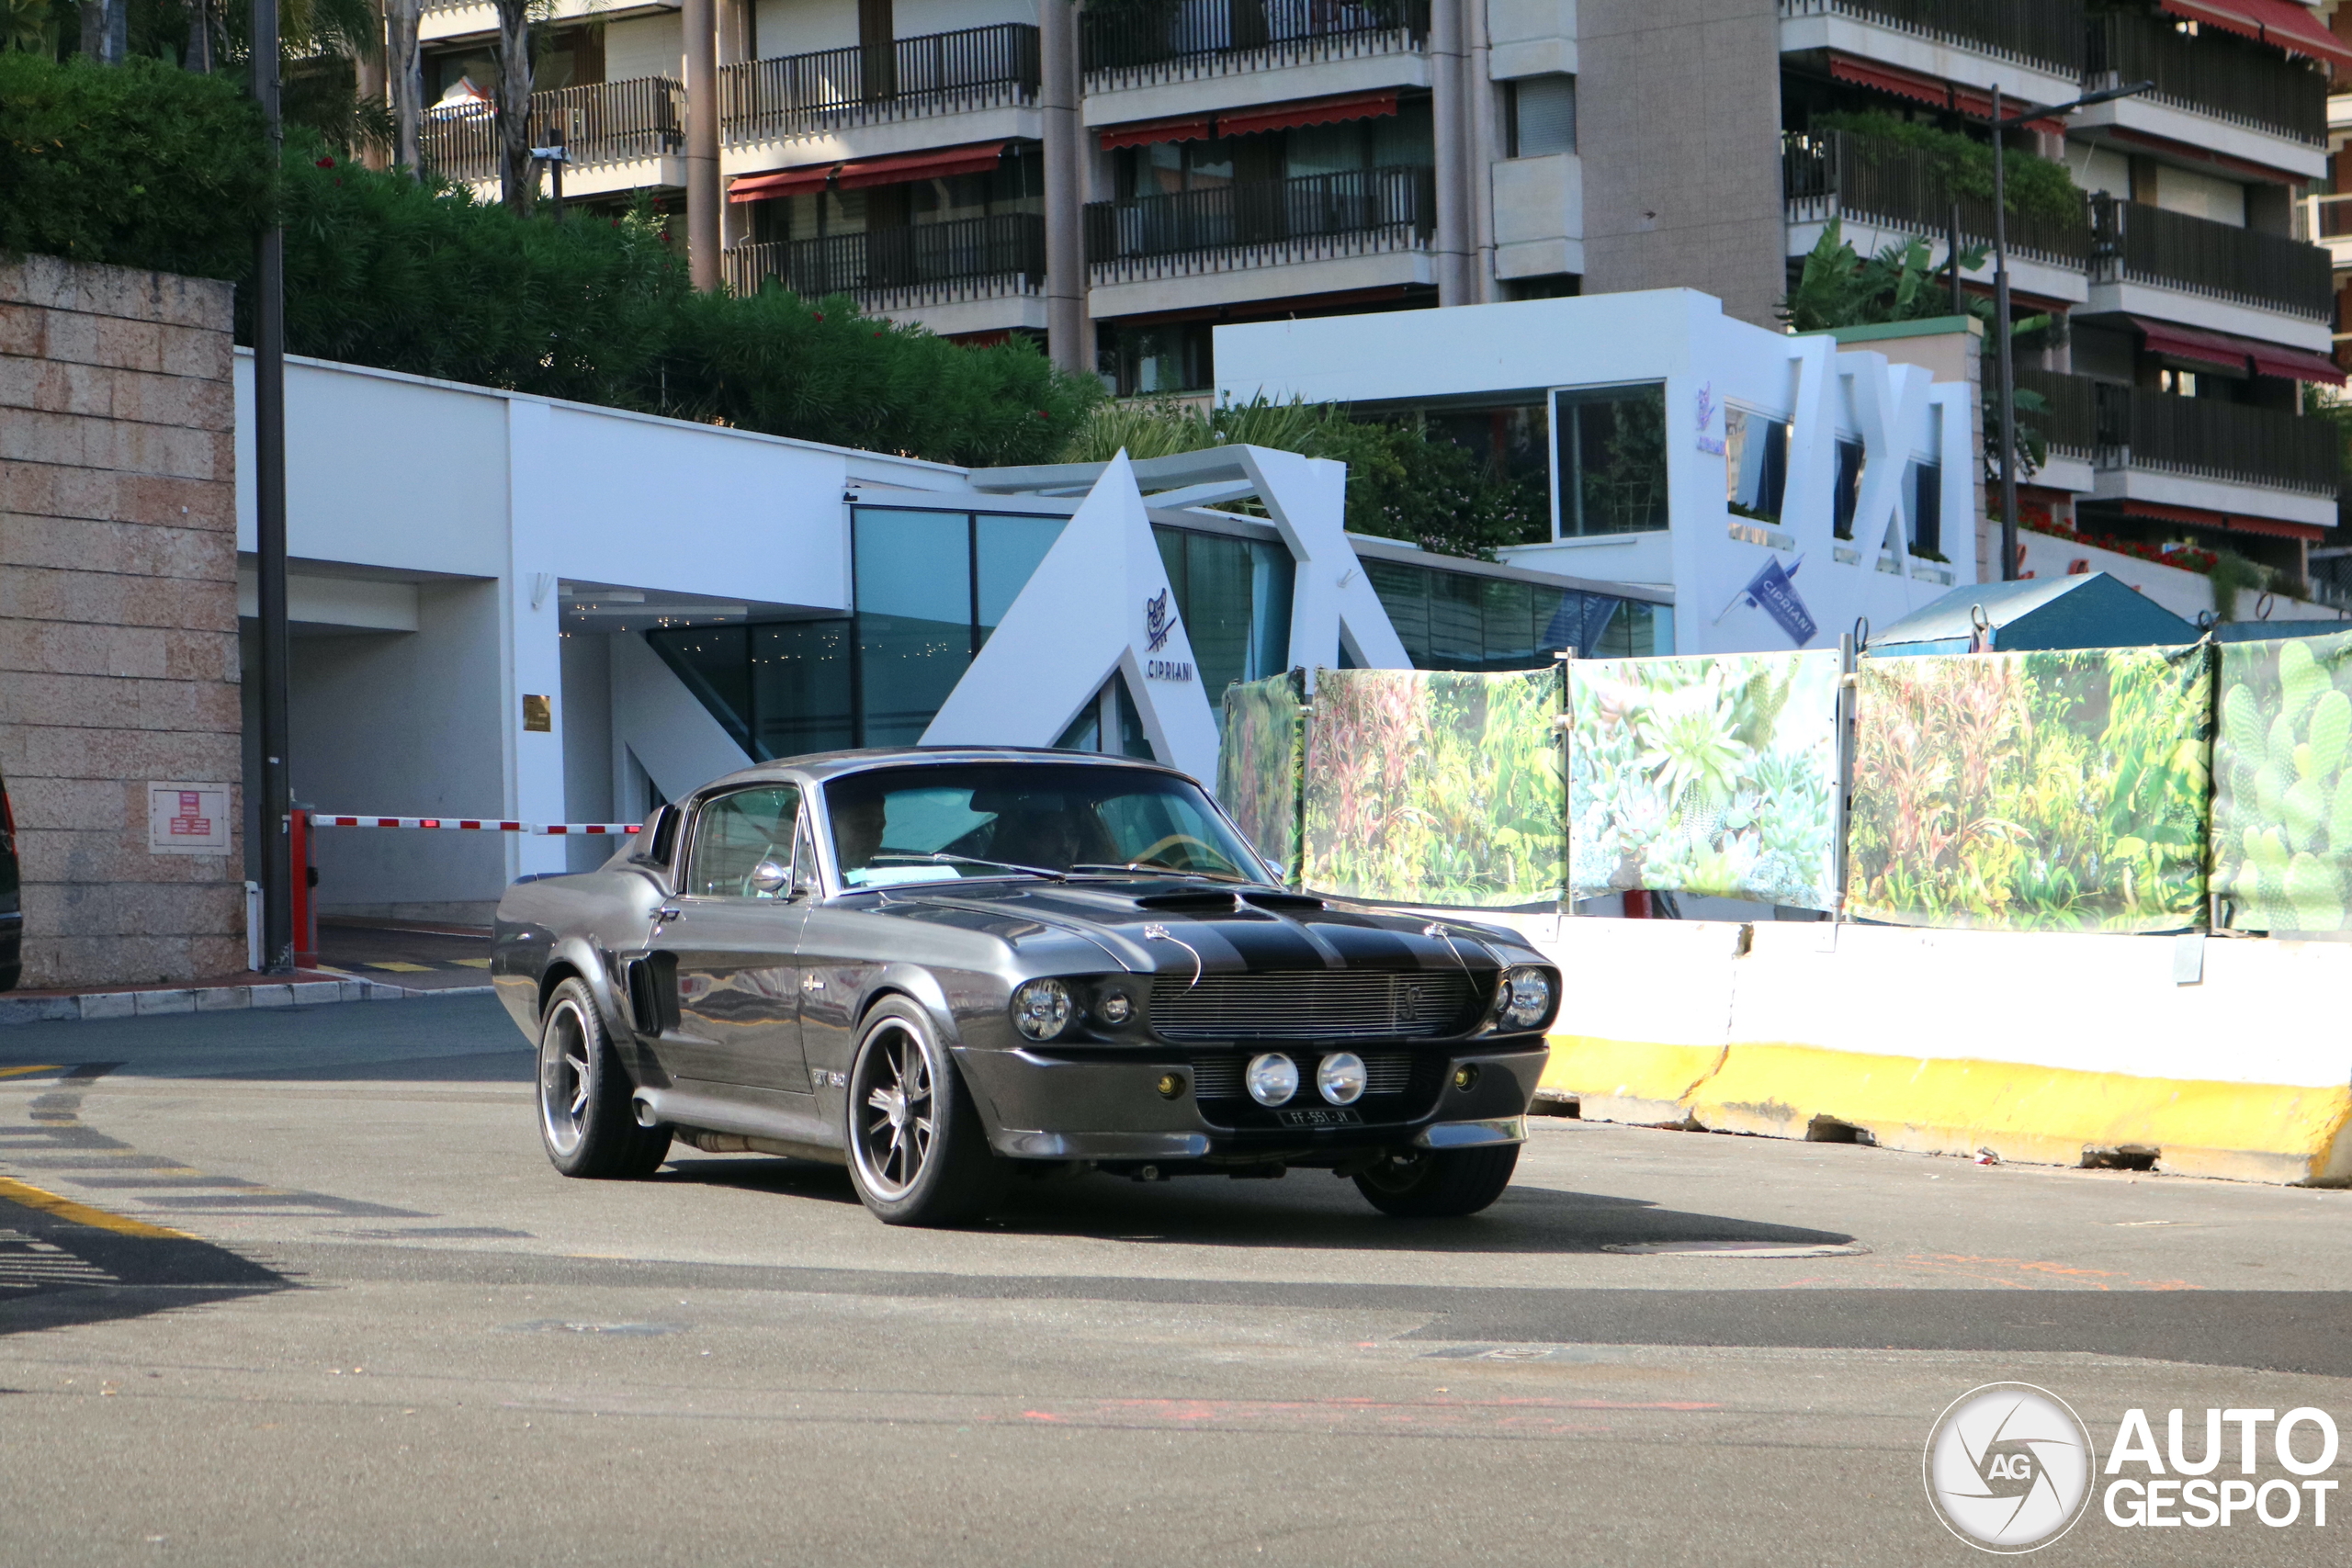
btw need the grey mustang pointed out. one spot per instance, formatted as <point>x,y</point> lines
<point>946,968</point>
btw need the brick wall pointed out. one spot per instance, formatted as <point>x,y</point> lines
<point>118,663</point>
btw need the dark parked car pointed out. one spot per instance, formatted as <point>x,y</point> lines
<point>12,909</point>
<point>947,967</point>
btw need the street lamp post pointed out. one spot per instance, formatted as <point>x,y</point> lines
<point>2001,301</point>
<point>279,870</point>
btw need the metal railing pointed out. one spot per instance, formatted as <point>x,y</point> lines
<point>2212,72</point>
<point>1141,45</point>
<point>1261,223</point>
<point>2135,242</point>
<point>1837,173</point>
<point>2047,33</point>
<point>928,264</point>
<point>2068,418</point>
<point>604,122</point>
<point>2207,438</point>
<point>936,74</point>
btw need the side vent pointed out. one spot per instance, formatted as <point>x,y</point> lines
<point>654,993</point>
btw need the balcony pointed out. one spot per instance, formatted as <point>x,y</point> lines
<point>894,271</point>
<point>2326,222</point>
<point>2213,74</point>
<point>1149,46</point>
<point>2044,34</point>
<point>1836,174</point>
<point>601,124</point>
<point>1260,223</point>
<point>2121,428</point>
<point>838,89</point>
<point>2134,242</point>
<point>2068,418</point>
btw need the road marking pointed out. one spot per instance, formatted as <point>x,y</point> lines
<point>48,1202</point>
<point>473,962</point>
<point>404,968</point>
<point>28,1072</point>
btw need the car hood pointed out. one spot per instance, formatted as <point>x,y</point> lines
<point>1171,927</point>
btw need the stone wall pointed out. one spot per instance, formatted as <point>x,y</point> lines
<point>119,665</point>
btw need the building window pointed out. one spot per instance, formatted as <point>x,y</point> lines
<point>1927,500</point>
<point>1140,360</point>
<point>1846,497</point>
<point>1756,465</point>
<point>1453,620</point>
<point>1612,462</point>
<point>1233,596</point>
<point>1543,116</point>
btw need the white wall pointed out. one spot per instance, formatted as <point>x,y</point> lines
<point>913,18</point>
<point>587,660</point>
<point>804,27</point>
<point>645,46</point>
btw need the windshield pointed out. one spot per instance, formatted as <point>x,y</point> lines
<point>942,821</point>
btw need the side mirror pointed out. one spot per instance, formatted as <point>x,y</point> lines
<point>768,878</point>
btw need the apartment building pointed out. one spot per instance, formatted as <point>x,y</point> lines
<point>1118,179</point>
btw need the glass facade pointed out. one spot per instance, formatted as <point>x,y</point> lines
<point>1756,466</point>
<point>1611,463</point>
<point>1233,596</point>
<point>1455,620</point>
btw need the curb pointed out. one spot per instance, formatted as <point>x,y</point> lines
<point>212,998</point>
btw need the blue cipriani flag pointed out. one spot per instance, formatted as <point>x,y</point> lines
<point>1771,590</point>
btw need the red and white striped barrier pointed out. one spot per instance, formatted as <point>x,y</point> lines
<point>474,824</point>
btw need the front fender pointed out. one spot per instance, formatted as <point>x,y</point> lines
<point>920,986</point>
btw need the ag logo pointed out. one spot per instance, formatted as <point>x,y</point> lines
<point>2008,1467</point>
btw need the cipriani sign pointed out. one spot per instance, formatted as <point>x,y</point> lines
<point>1158,620</point>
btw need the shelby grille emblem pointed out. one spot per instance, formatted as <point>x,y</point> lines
<point>2008,1467</point>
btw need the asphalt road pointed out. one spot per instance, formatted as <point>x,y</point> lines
<point>300,1287</point>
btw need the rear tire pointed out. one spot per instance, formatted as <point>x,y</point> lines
<point>587,1119</point>
<point>917,1151</point>
<point>1435,1184</point>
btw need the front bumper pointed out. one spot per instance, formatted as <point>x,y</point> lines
<point>1104,1104</point>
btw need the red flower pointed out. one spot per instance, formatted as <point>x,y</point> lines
<point>821,315</point>
<point>326,163</point>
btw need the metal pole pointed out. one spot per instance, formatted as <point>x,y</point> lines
<point>1952,257</point>
<point>269,494</point>
<point>2009,367</point>
<point>705,231</point>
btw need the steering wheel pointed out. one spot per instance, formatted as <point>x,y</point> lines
<point>1172,841</point>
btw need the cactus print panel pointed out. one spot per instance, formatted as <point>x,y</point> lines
<point>2045,791</point>
<point>1259,764</point>
<point>1432,787</point>
<point>1715,775</point>
<point>2282,792</point>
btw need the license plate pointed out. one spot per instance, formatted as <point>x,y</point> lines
<point>1321,1118</point>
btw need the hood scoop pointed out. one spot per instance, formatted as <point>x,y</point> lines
<point>1203,901</point>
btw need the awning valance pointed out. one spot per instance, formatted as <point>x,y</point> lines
<point>1250,121</point>
<point>2295,365</point>
<point>2227,354</point>
<point>1922,88</point>
<point>787,182</point>
<point>1192,128</point>
<point>2278,23</point>
<point>859,173</point>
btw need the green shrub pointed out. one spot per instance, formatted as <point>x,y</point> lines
<point>2033,184</point>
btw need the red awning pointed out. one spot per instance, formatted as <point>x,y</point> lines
<point>787,182</point>
<point>1318,111</point>
<point>901,168</point>
<point>2276,530</point>
<point>2295,363</point>
<point>2198,517</point>
<point>1922,88</point>
<point>1193,127</point>
<point>2278,23</point>
<point>2203,348</point>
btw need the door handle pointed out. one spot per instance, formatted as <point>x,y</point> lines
<point>667,916</point>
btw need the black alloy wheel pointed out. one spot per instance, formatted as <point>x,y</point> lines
<point>918,1153</point>
<point>1436,1184</point>
<point>586,1120</point>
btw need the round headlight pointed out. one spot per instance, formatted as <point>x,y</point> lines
<point>1339,1077</point>
<point>1115,1007</point>
<point>1272,1078</point>
<point>1524,999</point>
<point>1041,1009</point>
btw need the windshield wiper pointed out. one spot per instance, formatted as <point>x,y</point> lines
<point>1149,869</point>
<point>943,858</point>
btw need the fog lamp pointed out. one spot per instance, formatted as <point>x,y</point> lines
<point>1523,1000</point>
<point>1340,1078</point>
<point>1115,1007</point>
<point>1272,1078</point>
<point>1041,1009</point>
<point>1171,1085</point>
<point>1466,1075</point>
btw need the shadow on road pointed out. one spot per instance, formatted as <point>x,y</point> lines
<point>55,1273</point>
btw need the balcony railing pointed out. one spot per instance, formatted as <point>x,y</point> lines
<point>893,269</point>
<point>2135,242</point>
<point>604,122</point>
<point>1261,223</point>
<point>976,68</point>
<point>2203,437</point>
<point>1837,173</point>
<point>1139,46</point>
<point>2211,74</point>
<point>2068,418</point>
<point>2046,33</point>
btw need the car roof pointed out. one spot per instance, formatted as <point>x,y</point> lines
<point>822,767</point>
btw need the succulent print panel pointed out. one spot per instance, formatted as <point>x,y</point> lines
<point>2047,791</point>
<point>2282,792</point>
<point>1259,764</point>
<point>1715,775</point>
<point>1431,787</point>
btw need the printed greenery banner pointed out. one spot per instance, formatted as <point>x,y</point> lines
<point>1259,763</point>
<point>1715,775</point>
<point>2056,790</point>
<point>2282,792</point>
<point>1429,787</point>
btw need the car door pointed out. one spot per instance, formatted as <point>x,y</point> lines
<point>733,942</point>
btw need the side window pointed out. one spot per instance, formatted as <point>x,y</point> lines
<point>804,860</point>
<point>734,833</point>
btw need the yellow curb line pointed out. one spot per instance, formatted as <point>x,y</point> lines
<point>82,1214</point>
<point>28,1072</point>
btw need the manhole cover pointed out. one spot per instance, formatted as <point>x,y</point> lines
<point>1739,1248</point>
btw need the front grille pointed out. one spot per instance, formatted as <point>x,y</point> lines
<point>1220,1077</point>
<point>1323,1004</point>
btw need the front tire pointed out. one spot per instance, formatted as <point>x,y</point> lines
<point>586,1120</point>
<point>1437,1184</point>
<point>918,1154</point>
